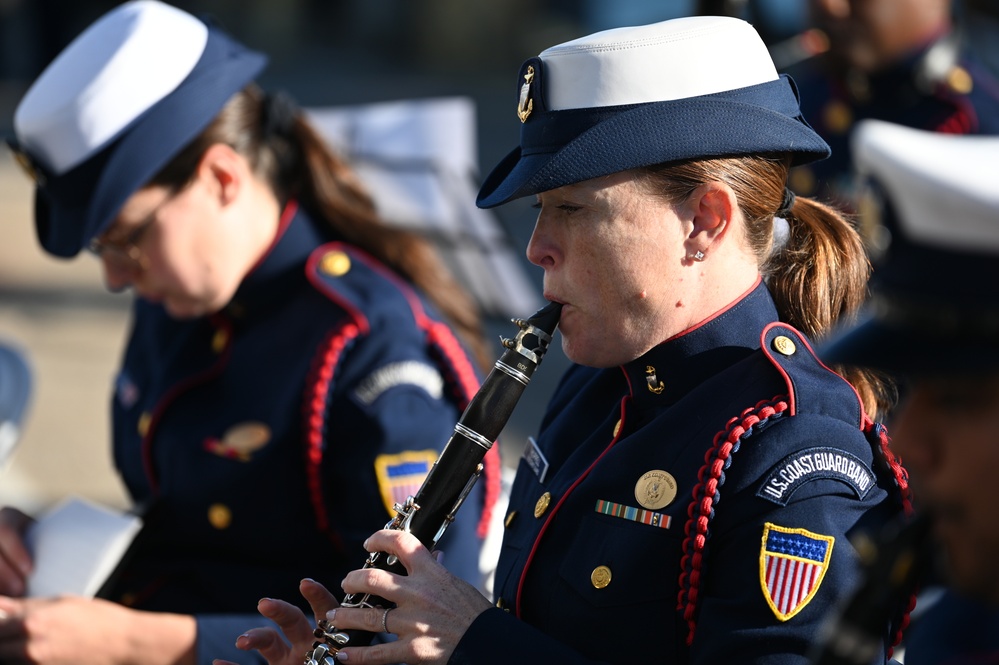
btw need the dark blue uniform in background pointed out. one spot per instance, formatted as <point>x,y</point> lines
<point>693,506</point>
<point>943,87</point>
<point>955,630</point>
<point>264,444</point>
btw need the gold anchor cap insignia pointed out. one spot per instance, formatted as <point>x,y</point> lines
<point>526,104</point>
<point>655,385</point>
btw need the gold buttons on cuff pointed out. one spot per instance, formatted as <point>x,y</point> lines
<point>542,505</point>
<point>600,577</point>
<point>784,345</point>
<point>617,428</point>
<point>509,518</point>
<point>219,516</point>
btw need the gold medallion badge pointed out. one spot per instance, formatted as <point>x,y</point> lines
<point>655,489</point>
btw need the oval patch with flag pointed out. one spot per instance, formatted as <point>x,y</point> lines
<point>792,565</point>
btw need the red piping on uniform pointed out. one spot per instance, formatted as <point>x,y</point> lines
<point>284,222</point>
<point>311,270</point>
<point>220,323</point>
<point>551,515</point>
<point>787,379</point>
<point>716,314</point>
<point>705,494</point>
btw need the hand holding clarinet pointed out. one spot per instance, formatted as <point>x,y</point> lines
<point>402,589</point>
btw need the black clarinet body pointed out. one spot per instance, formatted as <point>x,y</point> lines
<point>432,509</point>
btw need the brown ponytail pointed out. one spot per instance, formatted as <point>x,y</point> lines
<point>291,155</point>
<point>817,275</point>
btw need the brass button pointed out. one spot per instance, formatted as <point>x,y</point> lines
<point>784,345</point>
<point>500,603</point>
<point>617,427</point>
<point>542,505</point>
<point>144,421</point>
<point>219,516</point>
<point>335,264</point>
<point>509,518</point>
<point>960,80</point>
<point>219,340</point>
<point>600,577</point>
<point>838,117</point>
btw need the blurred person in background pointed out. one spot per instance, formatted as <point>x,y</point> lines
<point>933,321</point>
<point>901,61</point>
<point>698,476</point>
<point>292,368</point>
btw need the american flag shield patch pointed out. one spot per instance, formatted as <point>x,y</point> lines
<point>401,475</point>
<point>792,565</point>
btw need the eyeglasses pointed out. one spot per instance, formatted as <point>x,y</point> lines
<point>125,254</point>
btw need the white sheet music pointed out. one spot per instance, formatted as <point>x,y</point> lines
<point>76,546</point>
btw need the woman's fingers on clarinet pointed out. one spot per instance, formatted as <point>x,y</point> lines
<point>268,642</point>
<point>319,597</point>
<point>404,545</point>
<point>290,619</point>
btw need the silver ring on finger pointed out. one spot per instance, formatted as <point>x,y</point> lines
<point>385,620</point>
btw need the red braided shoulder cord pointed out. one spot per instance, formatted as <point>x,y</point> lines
<point>316,394</point>
<point>705,494</point>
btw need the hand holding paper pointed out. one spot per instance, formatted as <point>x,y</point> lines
<point>76,546</point>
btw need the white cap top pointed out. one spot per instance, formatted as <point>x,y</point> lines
<point>659,62</point>
<point>944,187</point>
<point>113,72</point>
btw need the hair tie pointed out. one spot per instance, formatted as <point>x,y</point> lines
<point>786,203</point>
<point>278,114</point>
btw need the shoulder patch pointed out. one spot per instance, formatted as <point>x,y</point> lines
<point>789,474</point>
<point>793,563</point>
<point>401,475</point>
<point>406,373</point>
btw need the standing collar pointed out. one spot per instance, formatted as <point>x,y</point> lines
<point>282,264</point>
<point>670,370</point>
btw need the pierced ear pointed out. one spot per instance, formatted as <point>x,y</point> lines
<point>224,170</point>
<point>712,206</point>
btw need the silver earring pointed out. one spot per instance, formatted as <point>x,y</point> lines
<point>698,255</point>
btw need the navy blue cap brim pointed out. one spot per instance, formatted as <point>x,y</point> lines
<point>79,205</point>
<point>906,351</point>
<point>561,148</point>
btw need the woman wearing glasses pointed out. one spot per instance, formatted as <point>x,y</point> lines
<point>289,374</point>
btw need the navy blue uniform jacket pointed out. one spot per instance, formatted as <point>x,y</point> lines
<point>263,444</point>
<point>692,506</point>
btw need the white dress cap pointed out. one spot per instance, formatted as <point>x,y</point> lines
<point>677,59</point>
<point>107,77</point>
<point>944,187</point>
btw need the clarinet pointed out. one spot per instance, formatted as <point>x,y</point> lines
<point>428,514</point>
